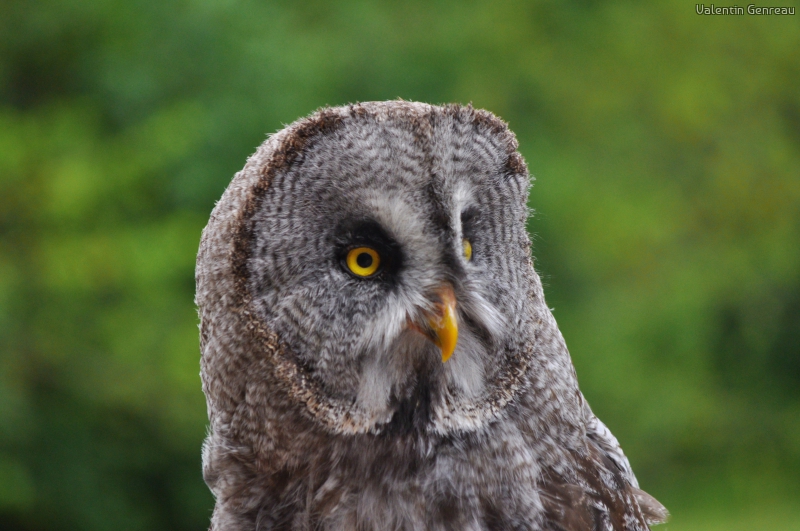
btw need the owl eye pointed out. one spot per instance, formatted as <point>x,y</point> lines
<point>467,249</point>
<point>363,261</point>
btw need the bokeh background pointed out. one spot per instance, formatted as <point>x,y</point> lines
<point>666,151</point>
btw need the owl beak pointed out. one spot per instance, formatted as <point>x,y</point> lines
<point>441,325</point>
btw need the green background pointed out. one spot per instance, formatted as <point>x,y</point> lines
<point>666,151</point>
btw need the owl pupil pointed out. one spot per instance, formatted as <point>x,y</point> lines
<point>364,260</point>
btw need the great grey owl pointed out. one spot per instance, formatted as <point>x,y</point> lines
<point>376,349</point>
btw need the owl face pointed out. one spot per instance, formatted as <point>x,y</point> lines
<point>389,256</point>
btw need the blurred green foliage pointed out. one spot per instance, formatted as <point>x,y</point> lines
<point>666,148</point>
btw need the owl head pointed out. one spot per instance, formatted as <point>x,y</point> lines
<point>369,269</point>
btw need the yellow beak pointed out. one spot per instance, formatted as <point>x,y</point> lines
<point>442,326</point>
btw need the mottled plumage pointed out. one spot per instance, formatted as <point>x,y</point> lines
<point>331,407</point>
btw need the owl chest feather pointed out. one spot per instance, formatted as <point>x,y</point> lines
<point>487,481</point>
<point>404,483</point>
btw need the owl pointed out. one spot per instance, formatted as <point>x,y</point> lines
<point>377,353</point>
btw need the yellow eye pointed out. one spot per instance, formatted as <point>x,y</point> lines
<point>363,261</point>
<point>467,249</point>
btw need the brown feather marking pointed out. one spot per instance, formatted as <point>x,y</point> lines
<point>653,511</point>
<point>595,497</point>
<point>566,507</point>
